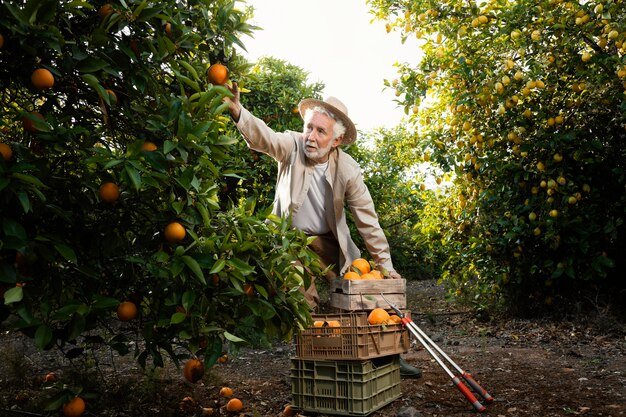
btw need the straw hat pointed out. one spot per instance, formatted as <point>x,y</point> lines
<point>338,109</point>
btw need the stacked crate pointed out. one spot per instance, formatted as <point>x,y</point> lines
<point>344,365</point>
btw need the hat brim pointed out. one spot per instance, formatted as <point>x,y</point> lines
<point>349,136</point>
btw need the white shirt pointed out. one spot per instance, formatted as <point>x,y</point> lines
<point>311,217</point>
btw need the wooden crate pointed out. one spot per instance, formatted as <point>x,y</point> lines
<point>352,339</point>
<point>354,295</point>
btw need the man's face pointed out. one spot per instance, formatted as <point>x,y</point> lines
<point>318,137</point>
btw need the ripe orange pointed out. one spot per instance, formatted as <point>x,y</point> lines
<point>29,123</point>
<point>394,319</point>
<point>378,316</point>
<point>367,275</point>
<point>351,275</point>
<point>193,370</point>
<point>6,151</point>
<point>234,405</point>
<point>105,10</point>
<point>289,411</point>
<point>175,232</point>
<point>218,74</point>
<point>377,274</point>
<point>126,311</point>
<point>334,323</point>
<point>74,408</point>
<point>362,265</point>
<point>50,377</point>
<point>248,288</point>
<point>148,146</point>
<point>226,392</point>
<point>42,79</point>
<point>109,192</point>
<point>168,29</point>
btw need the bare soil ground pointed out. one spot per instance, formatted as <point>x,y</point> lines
<point>531,368</point>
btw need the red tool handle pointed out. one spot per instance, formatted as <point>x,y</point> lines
<point>468,394</point>
<point>476,387</point>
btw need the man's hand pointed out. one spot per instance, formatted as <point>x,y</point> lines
<point>234,106</point>
<point>394,275</point>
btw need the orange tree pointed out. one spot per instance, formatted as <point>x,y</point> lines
<point>525,110</point>
<point>129,106</point>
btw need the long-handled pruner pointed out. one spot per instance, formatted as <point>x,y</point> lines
<point>429,345</point>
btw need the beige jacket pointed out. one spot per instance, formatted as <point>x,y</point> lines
<point>343,175</point>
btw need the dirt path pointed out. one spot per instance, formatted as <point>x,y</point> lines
<point>532,368</point>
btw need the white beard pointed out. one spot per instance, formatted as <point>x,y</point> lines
<point>317,155</point>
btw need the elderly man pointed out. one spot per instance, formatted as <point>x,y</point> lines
<point>315,179</point>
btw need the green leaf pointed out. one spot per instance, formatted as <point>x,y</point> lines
<point>101,302</point>
<point>218,266</point>
<point>241,266</point>
<point>178,318</point>
<point>134,176</point>
<point>13,295</point>
<point>195,268</point>
<point>233,338</point>
<point>43,336</point>
<point>189,297</point>
<point>67,252</point>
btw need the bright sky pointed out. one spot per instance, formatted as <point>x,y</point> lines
<point>334,41</point>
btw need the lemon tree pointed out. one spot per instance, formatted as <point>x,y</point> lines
<point>113,190</point>
<point>522,104</point>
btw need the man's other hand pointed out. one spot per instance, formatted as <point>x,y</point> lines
<point>234,106</point>
<point>394,275</point>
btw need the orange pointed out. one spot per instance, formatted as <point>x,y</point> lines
<point>168,29</point>
<point>29,123</point>
<point>226,392</point>
<point>42,79</point>
<point>6,151</point>
<point>193,370</point>
<point>362,265</point>
<point>334,323</point>
<point>74,408</point>
<point>234,405</point>
<point>367,275</point>
<point>109,192</point>
<point>105,10</point>
<point>351,275</point>
<point>377,274</point>
<point>394,319</point>
<point>175,232</point>
<point>248,288</point>
<point>148,146</point>
<point>289,411</point>
<point>50,377</point>
<point>218,74</point>
<point>378,316</point>
<point>126,311</point>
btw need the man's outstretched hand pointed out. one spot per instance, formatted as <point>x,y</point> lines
<point>234,106</point>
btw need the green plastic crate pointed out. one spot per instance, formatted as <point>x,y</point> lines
<point>352,388</point>
<point>354,339</point>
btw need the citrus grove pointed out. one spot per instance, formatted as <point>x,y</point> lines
<point>117,158</point>
<point>519,107</point>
